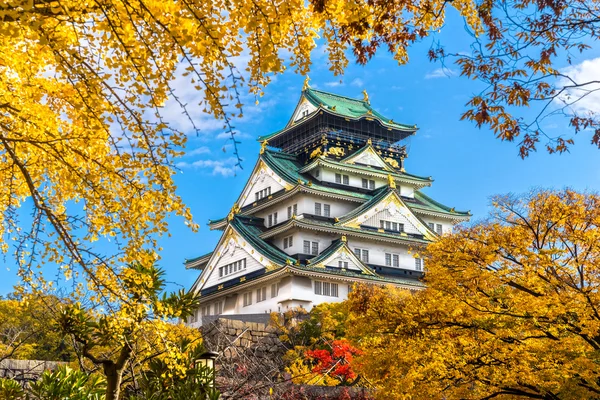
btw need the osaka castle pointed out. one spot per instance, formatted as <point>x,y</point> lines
<point>329,203</point>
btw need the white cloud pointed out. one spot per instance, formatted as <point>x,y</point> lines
<point>224,167</point>
<point>238,135</point>
<point>198,151</point>
<point>357,82</point>
<point>334,83</point>
<point>585,98</point>
<point>440,73</point>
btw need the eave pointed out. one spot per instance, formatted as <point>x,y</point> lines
<point>198,262</point>
<point>303,223</point>
<point>322,109</point>
<point>414,181</point>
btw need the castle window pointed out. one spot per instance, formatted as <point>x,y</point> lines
<point>431,226</point>
<point>205,311</point>
<point>261,294</point>
<point>292,210</point>
<point>232,268</point>
<point>316,173</point>
<point>362,254</point>
<point>318,287</point>
<point>438,229</point>
<point>326,210</point>
<point>315,248</point>
<point>368,184</point>
<point>274,290</point>
<point>247,299</point>
<point>343,264</point>
<point>346,180</point>
<point>326,289</point>
<point>338,178</point>
<point>261,194</point>
<point>419,264</point>
<point>272,219</point>
<point>306,247</point>
<point>288,242</point>
<point>218,308</point>
<point>317,208</point>
<point>391,226</point>
<point>392,260</point>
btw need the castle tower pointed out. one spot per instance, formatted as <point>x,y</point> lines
<point>328,204</point>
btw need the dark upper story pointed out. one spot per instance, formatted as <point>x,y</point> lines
<point>339,122</point>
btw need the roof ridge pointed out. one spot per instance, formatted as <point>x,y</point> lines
<point>338,95</point>
<point>276,254</point>
<point>440,205</point>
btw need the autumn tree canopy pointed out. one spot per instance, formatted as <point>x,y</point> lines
<point>87,155</point>
<point>82,132</point>
<point>510,309</point>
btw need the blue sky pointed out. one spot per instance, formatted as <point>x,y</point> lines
<point>468,164</point>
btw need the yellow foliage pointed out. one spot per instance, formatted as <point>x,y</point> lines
<point>510,309</point>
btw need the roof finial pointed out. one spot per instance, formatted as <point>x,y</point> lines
<point>234,210</point>
<point>365,96</point>
<point>344,240</point>
<point>263,146</point>
<point>306,85</point>
<point>391,182</point>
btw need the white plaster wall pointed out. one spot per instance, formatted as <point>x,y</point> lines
<point>377,252</point>
<point>259,183</point>
<point>385,215</point>
<point>334,262</point>
<point>251,265</point>
<point>306,204</point>
<point>355,180</point>
<point>446,226</point>
<point>406,191</point>
<point>281,209</point>
<point>294,291</point>
<point>324,240</point>
<point>338,208</point>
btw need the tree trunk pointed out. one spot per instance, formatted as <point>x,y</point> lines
<point>113,381</point>
<point>114,373</point>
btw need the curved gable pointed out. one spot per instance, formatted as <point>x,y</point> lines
<point>392,209</point>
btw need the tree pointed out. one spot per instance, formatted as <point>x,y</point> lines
<point>123,343</point>
<point>28,331</point>
<point>510,309</point>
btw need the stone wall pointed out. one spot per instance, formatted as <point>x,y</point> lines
<point>25,370</point>
<point>233,339</point>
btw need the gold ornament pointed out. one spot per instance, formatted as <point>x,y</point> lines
<point>391,182</point>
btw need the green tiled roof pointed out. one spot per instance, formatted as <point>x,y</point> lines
<point>191,260</point>
<point>398,175</point>
<point>345,107</point>
<point>286,166</point>
<point>350,108</point>
<point>333,247</point>
<point>427,203</point>
<point>251,233</point>
<point>309,222</point>
<point>378,195</point>
<point>355,274</point>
